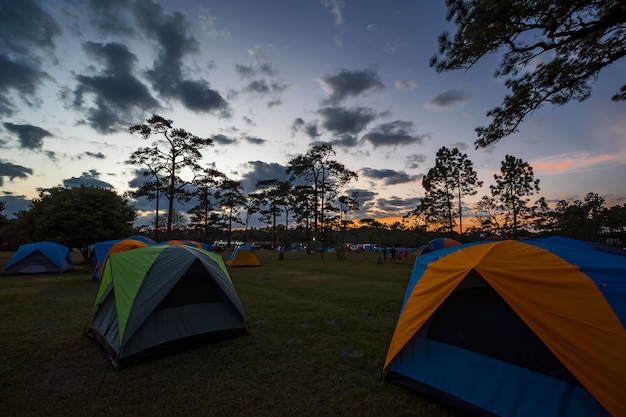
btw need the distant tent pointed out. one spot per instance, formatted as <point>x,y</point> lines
<point>39,258</point>
<point>243,256</point>
<point>194,243</point>
<point>104,249</point>
<point>439,243</point>
<point>510,328</point>
<point>142,238</point>
<point>160,299</point>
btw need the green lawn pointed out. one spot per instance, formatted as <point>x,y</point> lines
<point>320,329</point>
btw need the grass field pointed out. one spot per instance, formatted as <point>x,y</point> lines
<point>320,329</point>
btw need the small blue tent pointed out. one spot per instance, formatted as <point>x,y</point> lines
<point>39,258</point>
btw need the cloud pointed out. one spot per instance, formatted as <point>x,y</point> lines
<point>31,137</point>
<point>12,171</point>
<point>118,97</point>
<point>23,24</point>
<point>19,78</point>
<point>259,170</point>
<point>365,198</point>
<point>311,129</point>
<point>388,176</point>
<point>392,134</point>
<point>350,83</point>
<point>265,87</point>
<point>342,141</point>
<point>96,155</point>
<point>171,31</point>
<point>268,85</point>
<point>340,120</point>
<point>111,17</point>
<point>405,85</point>
<point>335,7</point>
<point>89,179</point>
<point>414,161</point>
<point>575,162</point>
<point>396,206</point>
<point>26,30</point>
<point>449,98</point>
<point>223,139</point>
<point>255,140</point>
<point>207,23</point>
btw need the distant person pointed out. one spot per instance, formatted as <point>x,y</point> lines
<point>393,254</point>
<point>384,250</point>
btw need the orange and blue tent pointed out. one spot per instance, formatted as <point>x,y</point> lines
<point>194,243</point>
<point>103,249</point>
<point>515,328</point>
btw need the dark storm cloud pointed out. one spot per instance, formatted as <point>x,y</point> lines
<point>311,129</point>
<point>12,171</point>
<point>171,32</point>
<point>365,198</point>
<point>25,31</point>
<point>20,78</point>
<point>388,176</point>
<point>414,161</point>
<point>223,140</point>
<point>393,134</point>
<point>449,98</point>
<point>23,24</point>
<point>30,137</point>
<point>350,83</point>
<point>118,96</point>
<point>342,120</point>
<point>341,141</point>
<point>89,179</point>
<point>396,206</point>
<point>259,170</point>
<point>255,140</point>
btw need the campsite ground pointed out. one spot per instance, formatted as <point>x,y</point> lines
<point>320,330</point>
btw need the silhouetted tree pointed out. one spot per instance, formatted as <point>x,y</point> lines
<point>572,40</point>
<point>77,217</point>
<point>515,182</point>
<point>172,151</point>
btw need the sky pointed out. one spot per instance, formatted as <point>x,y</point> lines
<point>266,80</point>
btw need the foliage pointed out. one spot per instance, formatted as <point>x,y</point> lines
<point>178,151</point>
<point>588,219</point>
<point>515,182</point>
<point>573,42</point>
<point>77,217</point>
<point>327,176</point>
<point>452,178</point>
<point>231,198</point>
<point>3,218</point>
<point>205,215</point>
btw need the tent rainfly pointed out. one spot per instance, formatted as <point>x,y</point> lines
<point>39,258</point>
<point>515,328</point>
<point>160,299</point>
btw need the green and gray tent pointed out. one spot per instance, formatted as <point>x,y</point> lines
<point>161,299</point>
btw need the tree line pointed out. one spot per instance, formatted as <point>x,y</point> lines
<point>314,197</point>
